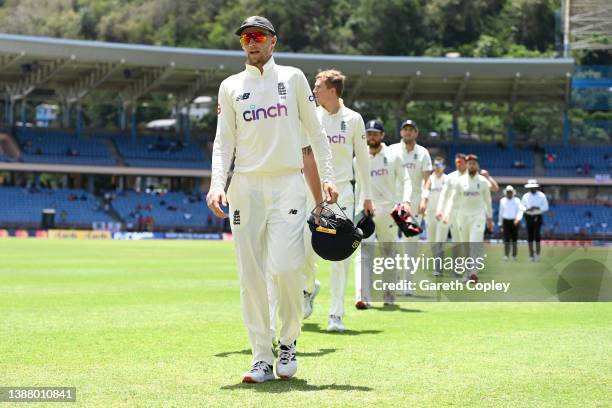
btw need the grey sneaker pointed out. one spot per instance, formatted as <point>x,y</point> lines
<point>286,365</point>
<point>335,324</point>
<point>260,372</point>
<point>309,299</point>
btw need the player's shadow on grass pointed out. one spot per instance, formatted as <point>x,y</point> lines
<point>294,384</point>
<point>395,308</point>
<point>315,328</point>
<point>319,353</point>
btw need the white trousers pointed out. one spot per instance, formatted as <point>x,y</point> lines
<point>267,216</point>
<point>386,231</point>
<point>437,231</point>
<point>471,232</point>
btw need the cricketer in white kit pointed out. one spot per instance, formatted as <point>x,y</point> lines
<point>472,196</point>
<point>391,184</point>
<point>260,113</point>
<point>347,137</point>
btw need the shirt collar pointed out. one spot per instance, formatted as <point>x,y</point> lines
<point>268,67</point>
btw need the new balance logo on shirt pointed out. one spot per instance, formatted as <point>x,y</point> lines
<point>293,212</point>
<point>243,97</point>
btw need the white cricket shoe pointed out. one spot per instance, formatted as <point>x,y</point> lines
<point>309,299</point>
<point>286,365</point>
<point>260,372</point>
<point>335,324</point>
<point>505,258</point>
<point>437,274</point>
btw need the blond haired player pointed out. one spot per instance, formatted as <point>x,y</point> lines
<point>346,134</point>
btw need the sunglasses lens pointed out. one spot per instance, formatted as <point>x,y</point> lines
<point>256,36</point>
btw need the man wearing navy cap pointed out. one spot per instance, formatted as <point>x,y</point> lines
<point>417,161</point>
<point>390,185</point>
<point>261,112</point>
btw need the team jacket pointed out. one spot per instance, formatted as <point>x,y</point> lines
<point>346,134</point>
<point>260,117</point>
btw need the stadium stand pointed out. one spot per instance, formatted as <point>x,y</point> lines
<point>22,207</point>
<point>577,161</point>
<point>171,210</point>
<point>499,161</point>
<point>40,145</point>
<point>571,219</point>
<point>158,151</point>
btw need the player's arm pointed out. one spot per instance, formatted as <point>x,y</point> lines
<point>223,150</point>
<point>454,193</point>
<point>501,211</point>
<point>486,194</point>
<point>425,195</point>
<point>362,165</point>
<point>316,137</point>
<point>491,180</point>
<point>311,174</point>
<point>403,183</point>
<point>521,210</point>
<point>444,195</point>
<point>545,203</point>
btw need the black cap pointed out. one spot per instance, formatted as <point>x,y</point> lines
<point>374,126</point>
<point>256,21</point>
<point>365,223</point>
<point>409,122</point>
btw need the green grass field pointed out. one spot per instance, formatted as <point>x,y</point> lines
<point>158,324</point>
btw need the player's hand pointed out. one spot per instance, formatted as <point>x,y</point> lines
<point>490,224</point>
<point>445,219</point>
<point>216,199</point>
<point>330,191</point>
<point>501,228</point>
<point>406,206</point>
<point>439,216</point>
<point>369,208</point>
<point>484,173</point>
<point>422,208</point>
<point>517,222</point>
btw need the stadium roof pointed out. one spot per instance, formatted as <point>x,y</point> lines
<point>41,67</point>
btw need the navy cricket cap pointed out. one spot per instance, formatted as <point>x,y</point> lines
<point>409,122</point>
<point>256,21</point>
<point>374,126</point>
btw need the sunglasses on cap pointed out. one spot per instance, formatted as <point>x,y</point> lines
<point>257,36</point>
<point>439,164</point>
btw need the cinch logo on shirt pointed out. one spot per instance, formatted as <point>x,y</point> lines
<point>410,165</point>
<point>338,139</point>
<point>379,172</point>
<point>471,193</point>
<point>264,113</point>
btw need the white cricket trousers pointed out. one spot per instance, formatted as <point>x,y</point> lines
<point>471,230</point>
<point>267,215</point>
<point>386,231</point>
<point>437,231</point>
<point>339,269</point>
<point>412,248</point>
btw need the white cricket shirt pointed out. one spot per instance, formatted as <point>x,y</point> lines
<point>260,116</point>
<point>347,137</point>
